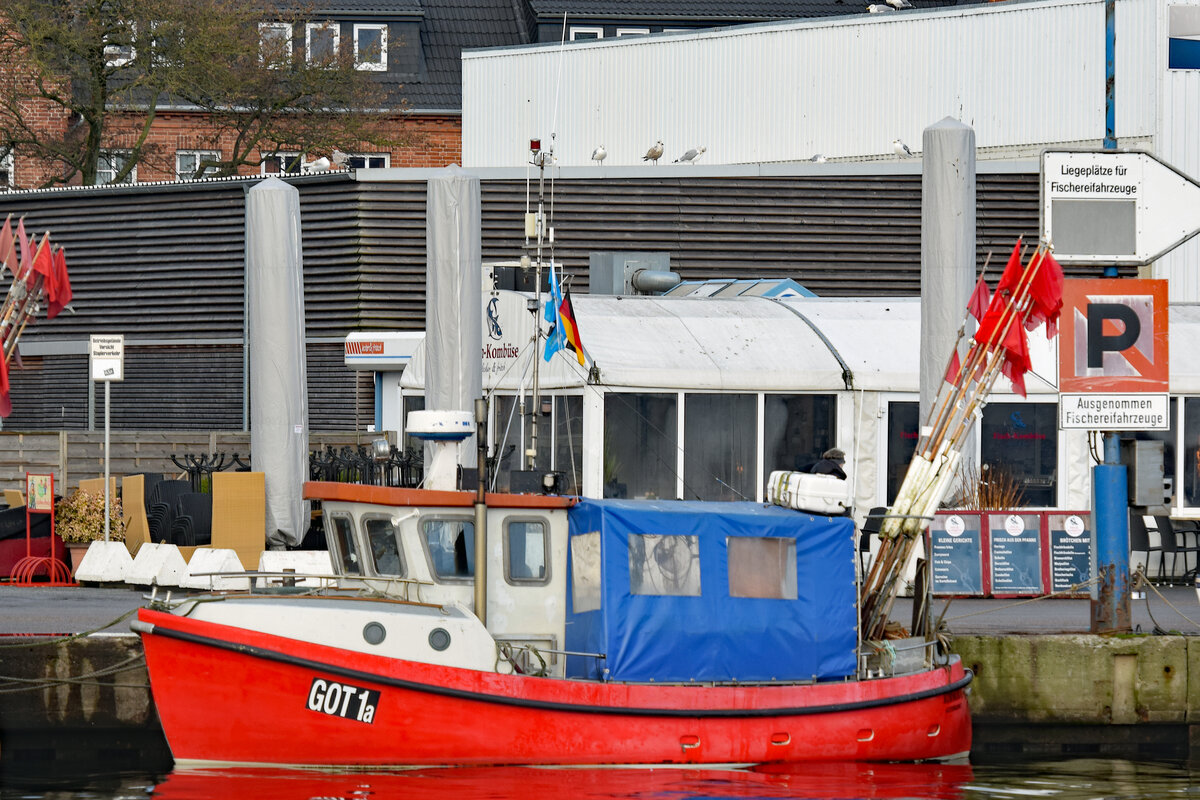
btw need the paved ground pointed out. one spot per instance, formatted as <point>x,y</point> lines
<point>1176,609</point>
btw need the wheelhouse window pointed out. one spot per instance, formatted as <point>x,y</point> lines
<point>382,538</point>
<point>110,165</point>
<point>321,41</point>
<point>797,428</point>
<point>641,444</point>
<point>664,565</point>
<point>450,544</point>
<point>189,163</point>
<point>370,47</point>
<point>763,567</point>
<point>720,443</point>
<point>585,572</point>
<point>275,44</point>
<point>345,551</point>
<point>568,441</point>
<point>526,551</point>
<point>1021,439</point>
<point>903,430</point>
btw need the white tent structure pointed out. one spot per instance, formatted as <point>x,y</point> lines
<point>722,368</point>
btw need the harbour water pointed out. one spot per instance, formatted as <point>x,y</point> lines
<point>1078,779</point>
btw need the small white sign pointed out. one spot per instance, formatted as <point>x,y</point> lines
<point>955,525</point>
<point>1014,525</point>
<point>108,357</point>
<point>1114,412</point>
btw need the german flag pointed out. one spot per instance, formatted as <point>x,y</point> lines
<point>570,329</point>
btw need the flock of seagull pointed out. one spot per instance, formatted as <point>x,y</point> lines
<point>656,150</point>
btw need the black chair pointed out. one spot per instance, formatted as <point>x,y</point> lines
<point>192,524</point>
<point>870,527</point>
<point>167,491</point>
<point>1139,541</point>
<point>1172,542</point>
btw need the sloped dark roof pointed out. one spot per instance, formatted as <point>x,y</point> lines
<point>704,10</point>
<point>350,8</point>
<point>451,26</point>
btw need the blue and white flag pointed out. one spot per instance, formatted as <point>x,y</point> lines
<point>555,340</point>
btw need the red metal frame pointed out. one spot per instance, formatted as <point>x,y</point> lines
<point>24,571</point>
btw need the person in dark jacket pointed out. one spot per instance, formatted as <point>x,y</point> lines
<point>831,463</point>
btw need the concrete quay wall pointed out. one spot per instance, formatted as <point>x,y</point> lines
<point>86,701</point>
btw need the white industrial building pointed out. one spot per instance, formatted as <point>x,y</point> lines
<point>1024,76</point>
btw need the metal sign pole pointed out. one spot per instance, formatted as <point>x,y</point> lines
<point>107,499</point>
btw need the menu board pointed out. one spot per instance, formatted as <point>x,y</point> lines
<point>956,549</point>
<point>1070,550</point>
<point>1016,553</point>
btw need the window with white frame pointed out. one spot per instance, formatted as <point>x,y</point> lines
<point>370,47</point>
<point>368,161</point>
<point>188,162</point>
<point>166,43</point>
<point>118,47</point>
<point>110,165</point>
<point>321,41</point>
<point>282,163</point>
<point>632,31</point>
<point>6,172</point>
<point>583,32</point>
<point>275,44</point>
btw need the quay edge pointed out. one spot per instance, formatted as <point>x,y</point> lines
<point>1047,696</point>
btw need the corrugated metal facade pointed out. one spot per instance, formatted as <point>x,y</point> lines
<point>1021,74</point>
<point>163,265</point>
<point>1180,147</point>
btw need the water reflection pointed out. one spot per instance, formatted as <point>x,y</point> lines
<point>790,780</point>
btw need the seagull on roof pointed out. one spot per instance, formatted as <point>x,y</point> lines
<point>691,155</point>
<point>879,8</point>
<point>901,149</point>
<point>899,4</point>
<point>599,154</point>
<point>654,153</point>
<point>818,159</point>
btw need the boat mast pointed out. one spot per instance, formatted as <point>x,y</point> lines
<point>481,511</point>
<point>540,157</point>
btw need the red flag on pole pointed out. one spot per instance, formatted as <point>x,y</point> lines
<point>1016,357</point>
<point>980,299</point>
<point>43,263</point>
<point>5,399</point>
<point>1045,291</point>
<point>952,371</point>
<point>1011,276</point>
<point>8,250</point>
<point>26,251</point>
<point>62,286</point>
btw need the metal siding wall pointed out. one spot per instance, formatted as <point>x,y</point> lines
<point>843,88</point>
<point>1180,146</point>
<point>1141,60</point>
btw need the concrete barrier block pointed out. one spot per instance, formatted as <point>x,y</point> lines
<point>303,562</point>
<point>222,560</point>
<point>105,562</point>
<point>157,565</point>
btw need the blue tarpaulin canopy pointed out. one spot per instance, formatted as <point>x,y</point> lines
<point>682,591</point>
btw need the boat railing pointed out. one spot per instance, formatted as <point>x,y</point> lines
<point>293,582</point>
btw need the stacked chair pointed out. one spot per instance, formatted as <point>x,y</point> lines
<point>192,523</point>
<point>161,502</point>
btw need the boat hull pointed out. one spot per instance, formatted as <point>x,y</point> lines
<point>227,694</point>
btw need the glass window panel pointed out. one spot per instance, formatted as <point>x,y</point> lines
<point>903,430</point>
<point>275,44</point>
<point>368,161</point>
<point>188,161</point>
<point>525,544</point>
<point>345,550</point>
<point>1191,451</point>
<point>585,572</point>
<point>370,47</point>
<point>640,445</point>
<point>797,428</point>
<point>322,42</point>
<point>112,162</point>
<point>1022,439</point>
<point>568,441</point>
<point>762,567</point>
<point>664,565</point>
<point>1168,438</point>
<point>720,443</point>
<point>385,547</point>
<point>451,546</point>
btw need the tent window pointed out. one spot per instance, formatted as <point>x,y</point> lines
<point>1022,439</point>
<point>451,547</point>
<point>664,565</point>
<point>720,445</point>
<point>762,567</point>
<point>797,428</point>
<point>585,572</point>
<point>640,445</point>
<point>903,428</point>
<point>385,546</point>
<point>341,529</point>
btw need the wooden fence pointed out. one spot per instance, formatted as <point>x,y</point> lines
<point>72,456</point>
